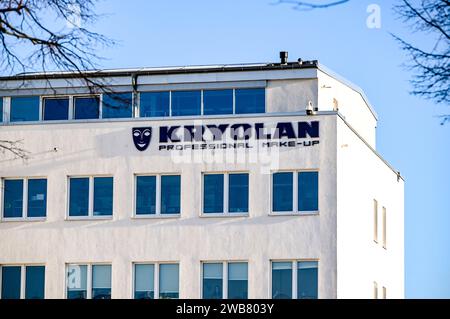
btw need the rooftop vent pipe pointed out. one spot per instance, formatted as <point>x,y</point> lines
<point>283,57</point>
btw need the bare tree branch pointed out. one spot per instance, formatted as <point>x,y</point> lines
<point>308,5</point>
<point>13,147</point>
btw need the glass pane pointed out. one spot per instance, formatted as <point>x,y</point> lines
<point>238,193</point>
<point>217,102</point>
<point>76,282</point>
<point>144,283</point>
<point>37,197</point>
<point>1,109</point>
<point>11,282</point>
<point>168,281</point>
<point>281,280</point>
<point>24,109</point>
<point>250,101</point>
<point>79,196</point>
<point>101,282</point>
<point>86,108</point>
<point>237,281</point>
<point>170,194</point>
<point>212,281</point>
<point>117,105</point>
<point>282,200</point>
<point>153,104</point>
<point>103,196</point>
<point>213,193</point>
<point>308,191</point>
<point>35,282</point>
<point>145,195</point>
<point>56,109</point>
<point>13,198</point>
<point>186,103</point>
<point>307,280</point>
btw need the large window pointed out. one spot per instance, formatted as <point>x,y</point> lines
<point>295,192</point>
<point>24,108</point>
<point>186,103</point>
<point>117,105</point>
<point>146,287</point>
<point>90,196</point>
<point>25,198</point>
<point>88,281</point>
<point>86,107</point>
<point>250,101</point>
<point>225,280</point>
<point>55,109</point>
<point>217,102</point>
<point>158,195</point>
<point>32,277</point>
<point>294,279</point>
<point>154,104</point>
<point>225,193</point>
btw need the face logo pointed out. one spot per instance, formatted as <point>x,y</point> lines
<point>141,137</point>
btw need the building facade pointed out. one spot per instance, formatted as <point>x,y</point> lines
<point>228,181</point>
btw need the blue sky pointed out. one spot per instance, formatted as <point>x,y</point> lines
<point>410,137</point>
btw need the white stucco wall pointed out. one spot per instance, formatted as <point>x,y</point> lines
<point>107,148</point>
<point>362,177</point>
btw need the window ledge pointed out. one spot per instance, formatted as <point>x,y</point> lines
<point>157,216</point>
<point>309,213</point>
<point>88,218</point>
<point>22,219</point>
<point>223,215</point>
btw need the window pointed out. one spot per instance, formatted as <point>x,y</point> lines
<point>375,221</point>
<point>117,105</point>
<point>24,108</point>
<point>295,280</point>
<point>1,109</point>
<point>383,291</point>
<point>168,281</point>
<point>228,279</point>
<point>86,107</point>
<point>186,103</point>
<point>25,198</point>
<point>375,290</point>
<point>88,281</point>
<point>250,101</point>
<point>145,286</point>
<point>217,102</point>
<point>12,277</point>
<point>154,104</point>
<point>90,196</point>
<point>384,227</point>
<point>225,193</point>
<point>147,200</point>
<point>55,109</point>
<point>295,192</point>
<point>144,281</point>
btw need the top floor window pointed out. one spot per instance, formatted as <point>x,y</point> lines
<point>186,103</point>
<point>154,104</point>
<point>86,107</point>
<point>250,101</point>
<point>117,105</point>
<point>24,108</point>
<point>55,109</point>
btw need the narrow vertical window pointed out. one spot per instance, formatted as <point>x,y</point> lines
<point>213,188</point>
<point>237,280</point>
<point>282,280</point>
<point>101,282</point>
<point>307,280</point>
<point>11,282</point>
<point>384,227</point>
<point>308,191</point>
<point>282,200</point>
<point>86,108</point>
<point>168,281</point>
<point>375,290</point>
<point>384,292</point>
<point>1,109</point>
<point>77,282</point>
<point>375,221</point>
<point>55,109</point>
<point>79,196</point>
<point>212,281</point>
<point>238,193</point>
<point>13,198</point>
<point>144,281</point>
<point>34,282</point>
<point>170,194</point>
<point>145,195</point>
<point>103,196</point>
<point>37,197</point>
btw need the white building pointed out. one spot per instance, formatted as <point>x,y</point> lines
<point>277,190</point>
